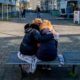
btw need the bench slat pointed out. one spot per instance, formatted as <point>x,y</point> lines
<point>72,58</point>
<point>13,59</point>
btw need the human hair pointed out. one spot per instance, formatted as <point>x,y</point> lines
<point>35,26</point>
<point>26,26</point>
<point>47,24</point>
<point>37,21</point>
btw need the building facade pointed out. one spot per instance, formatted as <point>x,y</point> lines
<point>44,4</point>
<point>29,4</point>
<point>67,7</point>
<point>11,4</point>
<point>7,6</point>
<point>34,3</point>
<point>50,4</point>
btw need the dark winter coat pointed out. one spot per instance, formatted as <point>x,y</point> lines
<point>38,9</point>
<point>32,37</point>
<point>47,50</point>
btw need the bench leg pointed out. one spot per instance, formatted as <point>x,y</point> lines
<point>73,72</point>
<point>22,72</point>
<point>73,69</point>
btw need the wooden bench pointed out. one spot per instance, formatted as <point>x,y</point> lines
<point>70,58</point>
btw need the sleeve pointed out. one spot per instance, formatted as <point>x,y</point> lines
<point>56,36</point>
<point>42,38</point>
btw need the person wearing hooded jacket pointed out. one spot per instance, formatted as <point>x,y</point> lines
<point>29,47</point>
<point>31,38</point>
<point>47,50</point>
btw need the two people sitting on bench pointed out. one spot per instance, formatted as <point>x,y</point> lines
<point>38,44</point>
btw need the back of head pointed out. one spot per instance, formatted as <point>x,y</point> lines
<point>34,26</point>
<point>37,21</point>
<point>50,26</point>
<point>26,26</point>
<point>46,24</point>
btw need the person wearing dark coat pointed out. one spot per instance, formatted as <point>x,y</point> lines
<point>23,13</point>
<point>38,12</point>
<point>31,38</point>
<point>47,50</point>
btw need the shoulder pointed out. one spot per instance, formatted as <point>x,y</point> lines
<point>46,31</point>
<point>29,30</point>
<point>36,31</point>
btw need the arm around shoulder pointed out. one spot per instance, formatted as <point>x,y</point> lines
<point>42,38</point>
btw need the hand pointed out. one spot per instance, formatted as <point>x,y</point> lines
<point>38,45</point>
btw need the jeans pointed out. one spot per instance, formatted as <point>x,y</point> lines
<point>38,15</point>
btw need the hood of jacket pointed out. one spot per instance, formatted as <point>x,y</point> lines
<point>28,30</point>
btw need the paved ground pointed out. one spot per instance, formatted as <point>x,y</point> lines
<point>11,34</point>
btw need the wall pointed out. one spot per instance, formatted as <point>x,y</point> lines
<point>34,3</point>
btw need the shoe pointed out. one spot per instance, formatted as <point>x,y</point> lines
<point>61,59</point>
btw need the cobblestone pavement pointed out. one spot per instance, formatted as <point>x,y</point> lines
<point>11,34</point>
